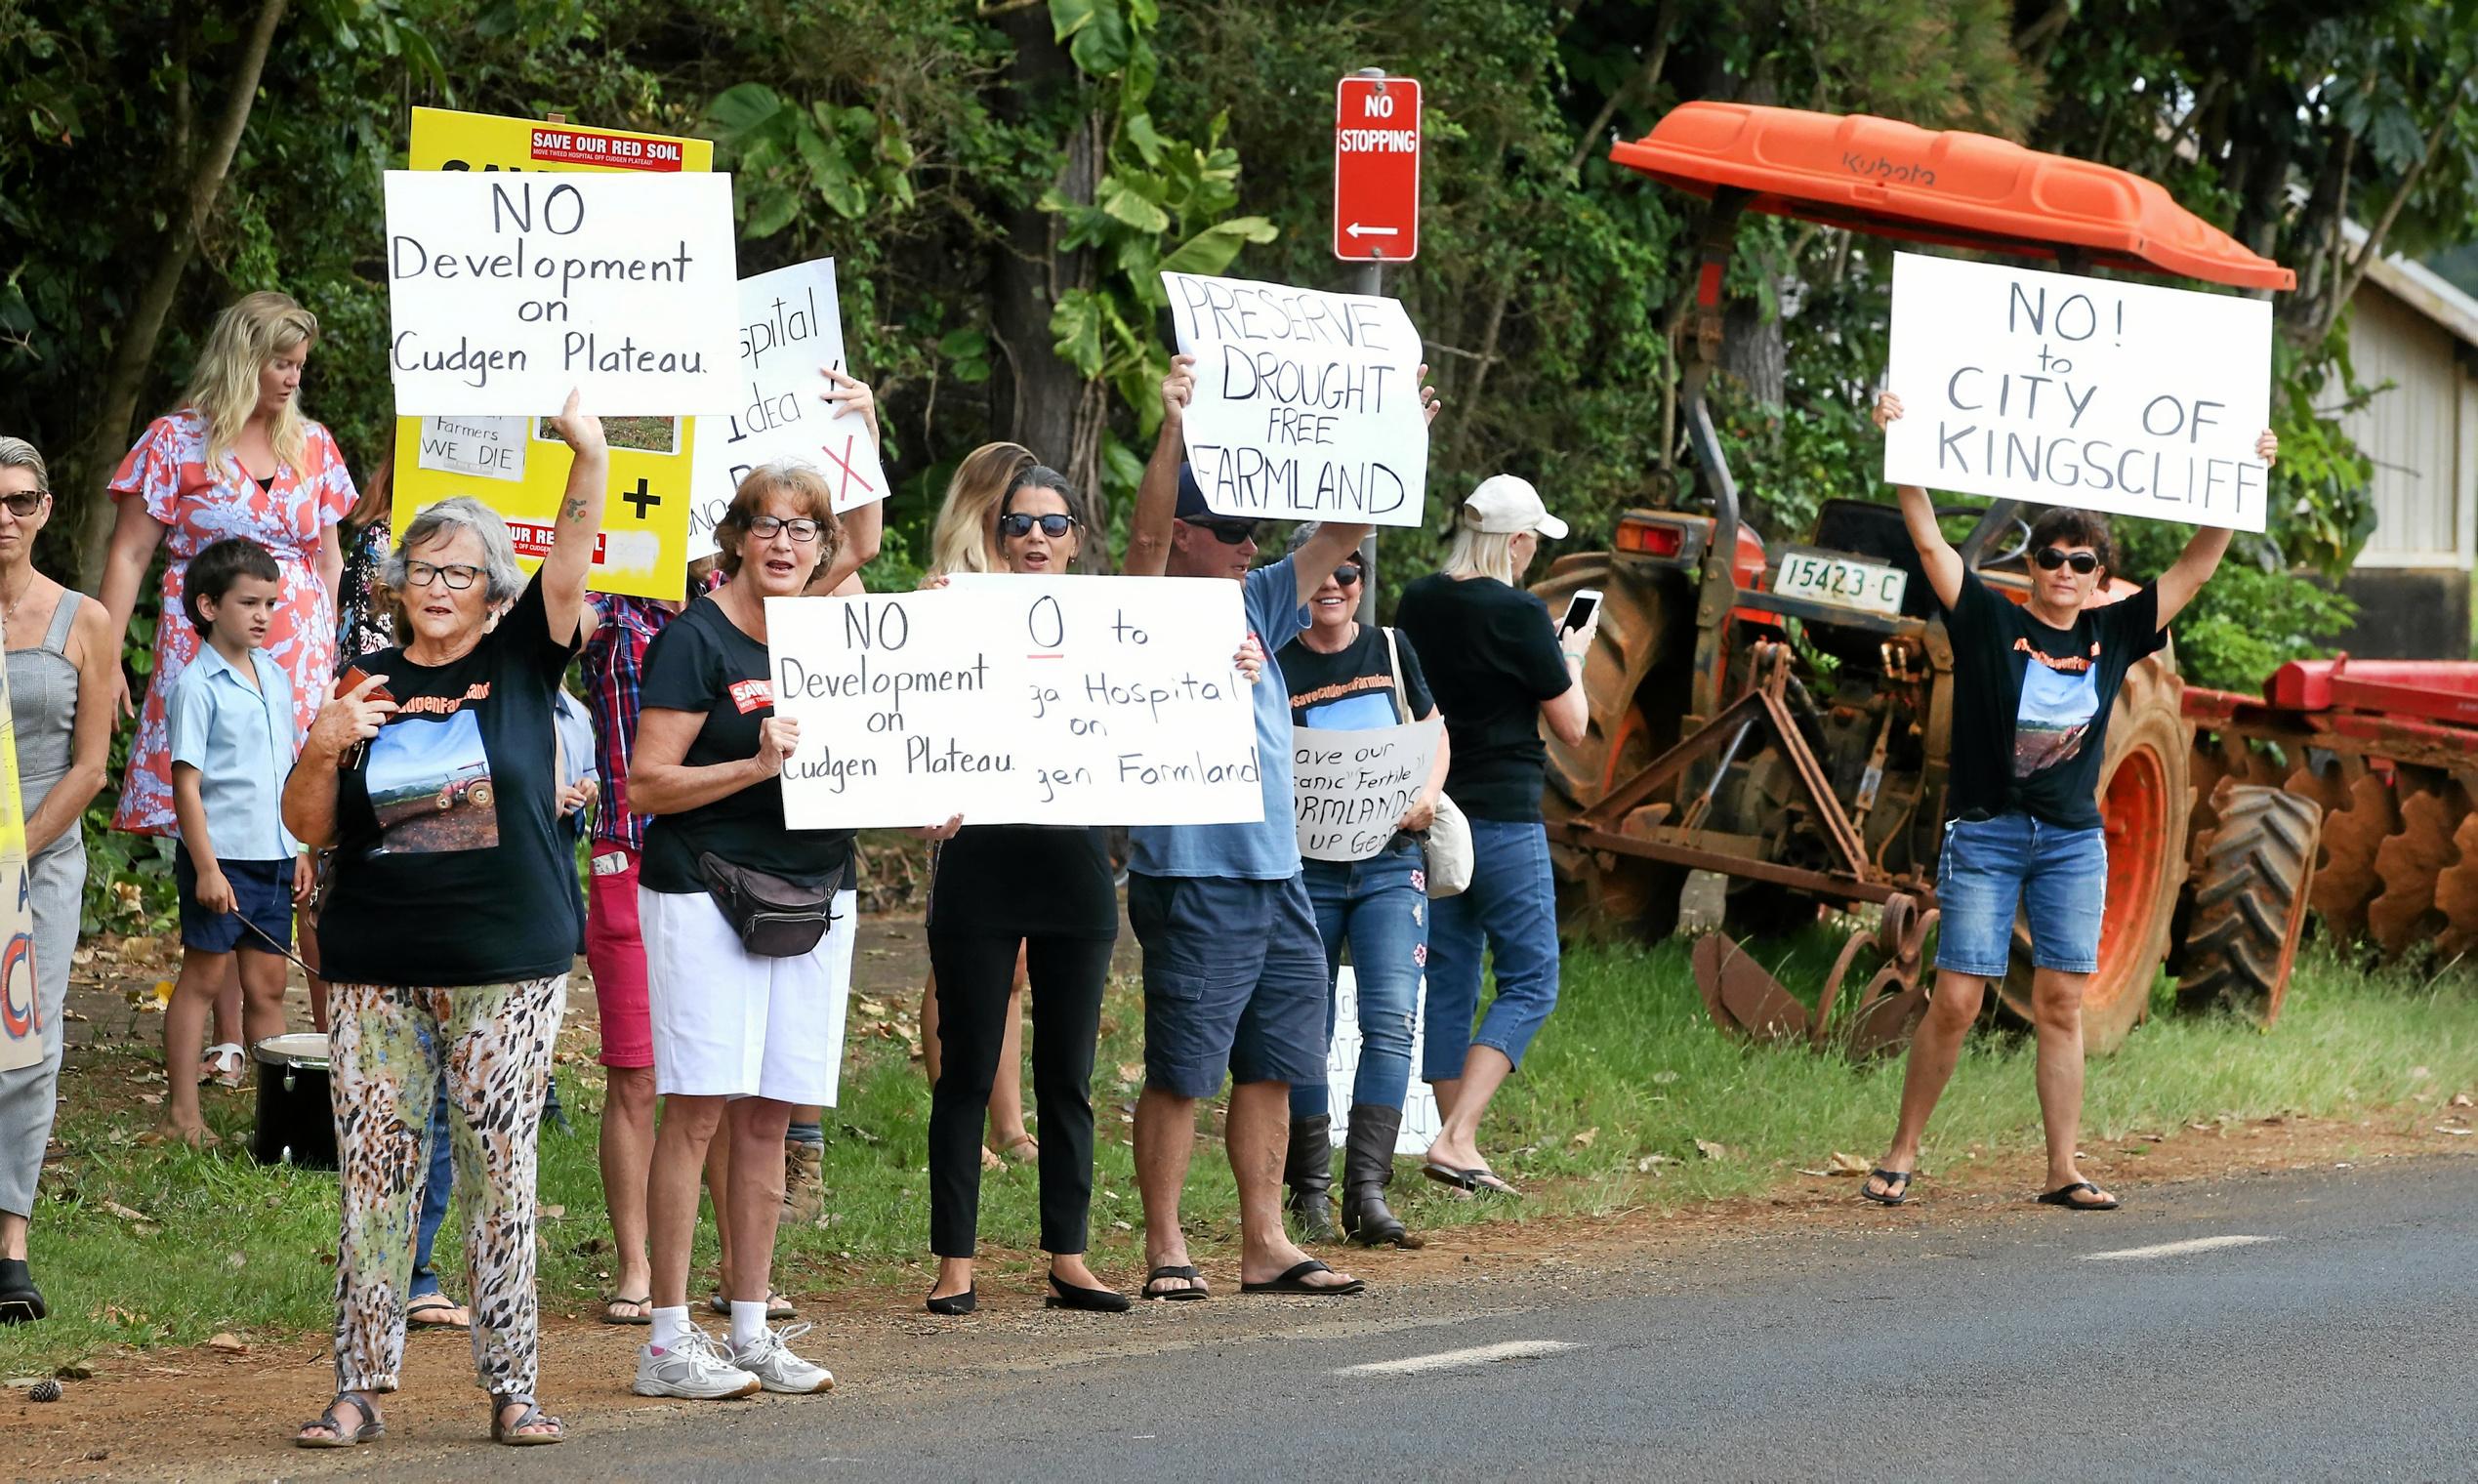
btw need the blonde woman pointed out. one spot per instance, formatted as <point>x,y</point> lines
<point>235,459</point>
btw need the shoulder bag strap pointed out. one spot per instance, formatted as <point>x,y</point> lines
<point>1393,661</point>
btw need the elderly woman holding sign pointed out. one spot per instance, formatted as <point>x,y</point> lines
<point>449,928</point>
<point>2034,684</point>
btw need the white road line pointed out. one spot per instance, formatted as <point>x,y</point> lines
<point>2174,1249</point>
<point>1455,1360</point>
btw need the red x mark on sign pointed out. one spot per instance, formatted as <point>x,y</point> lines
<point>851,475</point>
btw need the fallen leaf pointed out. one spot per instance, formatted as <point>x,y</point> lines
<point>1584,1139</point>
<point>1650,1164</point>
<point>114,1208</point>
<point>1846,1163</point>
<point>2460,1101</point>
<point>235,1260</point>
<point>2463,1133</point>
<point>227,1342</point>
<point>2420,1074</point>
<point>1664,1079</point>
<point>554,1212</point>
<point>1711,1150</point>
<point>1131,1071</point>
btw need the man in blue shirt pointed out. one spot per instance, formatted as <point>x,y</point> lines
<point>1234,971</point>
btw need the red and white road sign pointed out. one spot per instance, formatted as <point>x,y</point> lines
<point>1377,169</point>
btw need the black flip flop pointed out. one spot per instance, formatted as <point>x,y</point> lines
<point>1475,1180</point>
<point>2063,1195</point>
<point>1175,1295</point>
<point>1294,1281</point>
<point>616,1300</point>
<point>1893,1194</point>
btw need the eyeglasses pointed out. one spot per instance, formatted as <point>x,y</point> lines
<point>2052,557</point>
<point>1348,574</point>
<point>1055,526</point>
<point>1231,533</point>
<point>23,502</point>
<point>456,575</point>
<point>800,528</point>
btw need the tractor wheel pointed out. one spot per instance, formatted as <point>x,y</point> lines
<point>2145,802</point>
<point>1637,680</point>
<point>2249,902</point>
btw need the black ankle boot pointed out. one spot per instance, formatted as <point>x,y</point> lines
<point>21,1302</point>
<point>1368,1168</point>
<point>1310,1173</point>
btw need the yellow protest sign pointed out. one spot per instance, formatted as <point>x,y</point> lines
<point>515,464</point>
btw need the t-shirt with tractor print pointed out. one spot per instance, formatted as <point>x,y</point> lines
<point>2031,704</point>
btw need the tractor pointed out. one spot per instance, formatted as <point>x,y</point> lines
<point>1779,710</point>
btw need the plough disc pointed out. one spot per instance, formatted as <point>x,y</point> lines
<point>2408,864</point>
<point>1749,1003</point>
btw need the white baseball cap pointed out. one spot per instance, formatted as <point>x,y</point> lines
<point>1505,504</point>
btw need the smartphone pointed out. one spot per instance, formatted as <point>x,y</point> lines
<point>353,675</point>
<point>1579,610</point>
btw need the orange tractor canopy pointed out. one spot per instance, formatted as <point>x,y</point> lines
<point>1807,785</point>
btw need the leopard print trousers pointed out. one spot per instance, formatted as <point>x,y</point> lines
<point>389,1045</point>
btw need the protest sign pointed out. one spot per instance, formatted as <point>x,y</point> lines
<point>21,1000</point>
<point>789,326</point>
<point>1422,1121</point>
<point>506,291</point>
<point>1351,786</point>
<point>1018,700</point>
<point>2124,397</point>
<point>515,464</point>
<point>1307,404</point>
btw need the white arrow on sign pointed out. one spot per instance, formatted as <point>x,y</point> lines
<point>1358,230</point>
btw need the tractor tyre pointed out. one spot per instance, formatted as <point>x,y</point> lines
<point>1636,678</point>
<point>2145,803</point>
<point>2248,906</point>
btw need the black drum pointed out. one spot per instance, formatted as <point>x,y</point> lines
<point>296,1119</point>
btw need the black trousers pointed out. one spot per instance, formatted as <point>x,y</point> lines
<point>974,972</point>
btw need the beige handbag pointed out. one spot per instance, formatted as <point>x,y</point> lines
<point>1448,838</point>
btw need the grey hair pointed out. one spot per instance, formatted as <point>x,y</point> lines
<point>18,453</point>
<point>465,514</point>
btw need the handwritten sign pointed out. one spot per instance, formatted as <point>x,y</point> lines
<point>508,290</point>
<point>1018,700</point>
<point>484,447</point>
<point>1307,404</point>
<point>21,1008</point>
<point>789,326</point>
<point>1352,785</point>
<point>2124,397</point>
<point>1422,1122</point>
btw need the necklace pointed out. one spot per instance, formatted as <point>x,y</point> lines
<point>9,612</point>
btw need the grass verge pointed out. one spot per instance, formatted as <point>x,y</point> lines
<point>138,1248</point>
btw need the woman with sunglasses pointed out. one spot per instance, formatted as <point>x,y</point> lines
<point>1343,673</point>
<point>2034,685</point>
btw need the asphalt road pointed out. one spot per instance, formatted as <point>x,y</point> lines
<point>2337,1344</point>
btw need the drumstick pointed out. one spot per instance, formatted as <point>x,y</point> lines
<point>270,942</point>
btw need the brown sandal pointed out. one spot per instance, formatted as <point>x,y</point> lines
<point>512,1434</point>
<point>372,1427</point>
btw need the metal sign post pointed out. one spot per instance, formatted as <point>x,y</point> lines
<point>1377,146</point>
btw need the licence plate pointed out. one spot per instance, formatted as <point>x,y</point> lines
<point>1843,580</point>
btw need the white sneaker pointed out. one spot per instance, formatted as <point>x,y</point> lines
<point>693,1368</point>
<point>770,1359</point>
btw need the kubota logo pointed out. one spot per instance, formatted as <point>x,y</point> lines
<point>1883,169</point>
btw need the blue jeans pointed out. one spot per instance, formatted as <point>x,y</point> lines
<point>1379,906</point>
<point>1513,903</point>
<point>435,1188</point>
<point>2058,877</point>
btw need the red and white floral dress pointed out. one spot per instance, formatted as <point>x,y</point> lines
<point>201,505</point>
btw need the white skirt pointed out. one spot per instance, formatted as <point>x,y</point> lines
<point>728,1023</point>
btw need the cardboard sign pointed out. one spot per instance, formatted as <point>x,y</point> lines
<point>1352,786</point>
<point>513,464</point>
<point>21,1026</point>
<point>789,326</point>
<point>2123,397</point>
<point>1307,404</point>
<point>1422,1121</point>
<point>1018,700</point>
<point>507,291</point>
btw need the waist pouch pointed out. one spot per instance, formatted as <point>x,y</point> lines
<point>775,919</point>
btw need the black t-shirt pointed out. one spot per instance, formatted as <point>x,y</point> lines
<point>1491,656</point>
<point>2030,703</point>
<point>702,662</point>
<point>1352,689</point>
<point>1025,881</point>
<point>450,865</point>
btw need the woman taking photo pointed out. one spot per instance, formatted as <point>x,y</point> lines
<point>449,929</point>
<point>1499,667</point>
<point>1355,676</point>
<point>62,659</point>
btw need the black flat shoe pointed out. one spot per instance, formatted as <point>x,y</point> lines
<point>956,1303</point>
<point>1092,1300</point>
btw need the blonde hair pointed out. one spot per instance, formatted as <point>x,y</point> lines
<point>224,386</point>
<point>963,539</point>
<point>808,490</point>
<point>1476,552</point>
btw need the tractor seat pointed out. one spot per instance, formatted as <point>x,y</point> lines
<point>1873,532</point>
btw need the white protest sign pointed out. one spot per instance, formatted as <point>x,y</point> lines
<point>789,326</point>
<point>486,447</point>
<point>2124,397</point>
<point>1307,404</point>
<point>1018,700</point>
<point>1422,1122</point>
<point>505,290</point>
<point>1352,785</point>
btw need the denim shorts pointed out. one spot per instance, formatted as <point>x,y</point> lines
<point>261,895</point>
<point>1234,981</point>
<point>1989,867</point>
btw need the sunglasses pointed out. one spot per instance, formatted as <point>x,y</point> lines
<point>24,501</point>
<point>1231,533</point>
<point>2051,558</point>
<point>1348,574</point>
<point>1053,527</point>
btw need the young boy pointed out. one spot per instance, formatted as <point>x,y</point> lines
<point>231,741</point>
